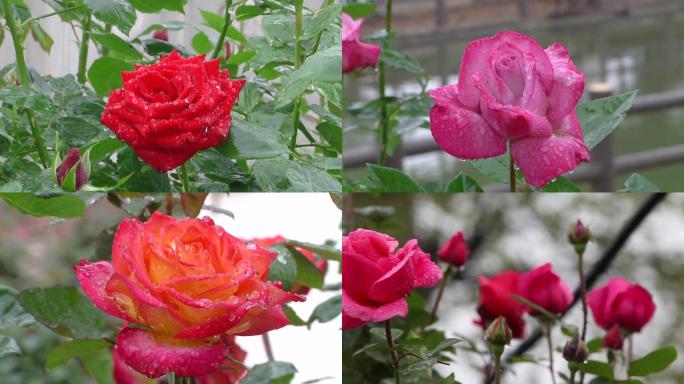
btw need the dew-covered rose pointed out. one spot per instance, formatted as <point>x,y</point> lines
<point>189,284</point>
<point>510,89</point>
<point>376,277</point>
<point>355,53</point>
<point>170,110</point>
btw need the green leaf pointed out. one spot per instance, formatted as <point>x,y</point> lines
<point>156,47</point>
<point>105,74</point>
<point>104,149</point>
<point>116,12</point>
<point>275,372</point>
<point>327,310</point>
<point>654,362</point>
<point>23,97</point>
<point>74,348</point>
<point>11,313</point>
<point>359,10</point>
<point>463,183</point>
<point>117,44</point>
<point>245,12</point>
<point>201,43</point>
<point>8,346</point>
<point>326,252</point>
<point>392,180</point>
<point>64,310</point>
<point>495,168</point>
<point>154,6</point>
<point>325,65</point>
<point>253,141</point>
<point>79,131</point>
<point>284,267</point>
<point>561,184</point>
<point>401,61</point>
<point>597,368</point>
<point>307,273</point>
<point>280,174</point>
<point>638,183</point>
<point>600,117</point>
<point>321,20</point>
<point>212,20</point>
<point>144,178</point>
<point>444,344</point>
<point>100,365</point>
<point>62,206</point>
<point>173,25</point>
<point>41,37</point>
<point>332,134</point>
<point>295,320</point>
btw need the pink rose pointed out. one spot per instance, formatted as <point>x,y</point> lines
<point>496,300</point>
<point>455,251</point>
<point>621,303</point>
<point>376,279</point>
<point>356,54</point>
<point>546,289</point>
<point>510,89</point>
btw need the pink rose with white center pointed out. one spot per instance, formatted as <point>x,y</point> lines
<point>510,89</point>
<point>355,53</point>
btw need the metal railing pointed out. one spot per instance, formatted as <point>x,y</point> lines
<point>600,172</point>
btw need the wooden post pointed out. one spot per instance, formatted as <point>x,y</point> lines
<point>603,154</point>
<point>440,14</point>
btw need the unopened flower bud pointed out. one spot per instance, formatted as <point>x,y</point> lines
<point>161,34</point>
<point>579,236</point>
<point>72,174</point>
<point>613,339</point>
<point>575,350</point>
<point>498,335</point>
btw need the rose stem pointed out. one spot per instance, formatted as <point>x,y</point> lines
<point>630,353</point>
<point>24,79</point>
<point>511,167</point>
<point>384,123</point>
<point>497,369</point>
<point>267,346</point>
<point>393,351</point>
<point>185,178</point>
<point>224,30</point>
<point>440,293</point>
<point>583,296</point>
<point>547,328</point>
<point>299,17</point>
<point>83,51</point>
<point>314,49</point>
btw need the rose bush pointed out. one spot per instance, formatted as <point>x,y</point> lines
<point>189,282</point>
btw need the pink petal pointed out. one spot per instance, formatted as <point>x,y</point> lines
<point>350,28</point>
<point>427,273</point>
<point>459,131</point>
<point>512,122</point>
<point>370,244</point>
<point>124,374</point>
<point>568,83</point>
<point>601,300</point>
<point>395,284</point>
<point>358,274</point>
<point>349,322</point>
<point>93,278</point>
<point>358,55</point>
<point>633,308</point>
<point>368,313</point>
<point>541,160</point>
<point>268,320</point>
<point>145,354</point>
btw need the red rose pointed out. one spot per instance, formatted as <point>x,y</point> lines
<point>170,110</point>
<point>546,289</point>
<point>613,338</point>
<point>376,279</point>
<point>191,285</point>
<point>496,300</point>
<point>455,251</point>
<point>621,303</point>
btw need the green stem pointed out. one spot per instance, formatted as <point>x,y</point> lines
<point>440,293</point>
<point>583,296</point>
<point>314,49</point>
<point>384,121</point>
<point>65,10</point>
<point>299,17</point>
<point>224,30</point>
<point>550,345</point>
<point>185,177</point>
<point>497,369</point>
<point>511,168</point>
<point>83,51</point>
<point>393,351</point>
<point>24,79</point>
<point>267,346</point>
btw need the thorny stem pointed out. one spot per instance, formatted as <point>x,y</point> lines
<point>547,331</point>
<point>224,30</point>
<point>384,121</point>
<point>511,173</point>
<point>185,178</point>
<point>83,51</point>
<point>24,79</point>
<point>267,346</point>
<point>393,351</point>
<point>440,293</point>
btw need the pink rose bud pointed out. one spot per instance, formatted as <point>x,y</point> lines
<point>356,54</point>
<point>510,89</point>
<point>578,234</point>
<point>546,289</point>
<point>621,303</point>
<point>376,277</point>
<point>613,338</point>
<point>161,34</point>
<point>72,159</point>
<point>455,251</point>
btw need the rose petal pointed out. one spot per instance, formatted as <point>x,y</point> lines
<point>93,278</point>
<point>568,83</point>
<point>373,314</point>
<point>395,284</point>
<point>459,131</point>
<point>358,274</point>
<point>541,160</point>
<point>426,272</point>
<point>124,374</point>
<point>512,122</point>
<point>633,308</point>
<point>601,300</point>
<point>357,55</point>
<point>349,322</point>
<point>145,354</point>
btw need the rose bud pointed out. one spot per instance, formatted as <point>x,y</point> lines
<point>546,289</point>
<point>496,300</point>
<point>498,333</point>
<point>621,303</point>
<point>376,277</point>
<point>511,90</point>
<point>575,350</point>
<point>228,50</point>
<point>161,34</point>
<point>73,172</point>
<point>169,111</point>
<point>455,251</point>
<point>356,54</point>
<point>613,339</point>
<point>190,285</point>
<point>579,236</point>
